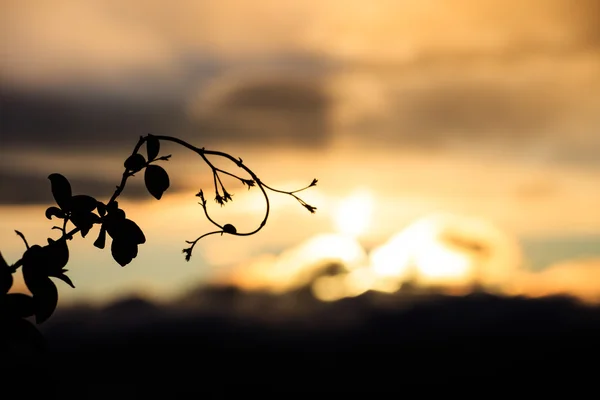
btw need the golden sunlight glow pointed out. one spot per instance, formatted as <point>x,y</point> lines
<point>350,284</point>
<point>329,288</point>
<point>297,266</point>
<point>444,249</point>
<point>416,252</point>
<point>442,263</point>
<point>354,213</point>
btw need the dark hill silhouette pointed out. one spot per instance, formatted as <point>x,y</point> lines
<point>373,342</point>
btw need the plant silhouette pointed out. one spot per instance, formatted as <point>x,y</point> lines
<point>78,214</point>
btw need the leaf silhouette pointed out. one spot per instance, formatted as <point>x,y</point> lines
<point>123,251</point>
<point>152,147</point>
<point>54,212</point>
<point>61,190</point>
<point>33,261</point>
<point>64,278</point>
<point>135,162</point>
<point>19,305</point>
<point>45,297</point>
<point>56,255</point>
<point>157,180</point>
<point>40,263</point>
<point>113,210</point>
<point>101,240</point>
<point>85,222</point>
<point>112,223</point>
<point>6,278</point>
<point>101,208</point>
<point>82,204</point>
<point>126,236</point>
<point>131,231</point>
<point>44,291</point>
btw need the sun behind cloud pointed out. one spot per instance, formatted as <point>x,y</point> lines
<point>449,250</point>
<point>354,213</point>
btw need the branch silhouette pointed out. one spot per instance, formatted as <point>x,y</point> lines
<point>41,263</point>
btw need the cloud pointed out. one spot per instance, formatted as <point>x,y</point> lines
<point>61,121</point>
<point>575,277</point>
<point>535,111</point>
<point>409,31</point>
<point>297,266</point>
<point>513,79</point>
<point>264,111</point>
<point>68,42</point>
<point>491,71</point>
<point>451,253</point>
<point>466,110</point>
<point>436,250</point>
<point>116,42</point>
<point>256,112</point>
<point>134,68</point>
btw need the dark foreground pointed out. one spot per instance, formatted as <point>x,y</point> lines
<point>221,343</point>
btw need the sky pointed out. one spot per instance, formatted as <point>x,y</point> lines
<point>421,119</point>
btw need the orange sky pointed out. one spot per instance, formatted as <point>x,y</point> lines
<point>481,109</point>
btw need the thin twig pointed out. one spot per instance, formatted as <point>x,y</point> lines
<point>22,238</point>
<point>202,152</point>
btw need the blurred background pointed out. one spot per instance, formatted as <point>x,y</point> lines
<point>456,144</point>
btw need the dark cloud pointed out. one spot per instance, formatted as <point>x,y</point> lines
<point>584,18</point>
<point>471,111</point>
<point>82,121</point>
<point>272,112</point>
<point>276,95</point>
<point>256,114</point>
<point>467,111</point>
<point>515,116</point>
